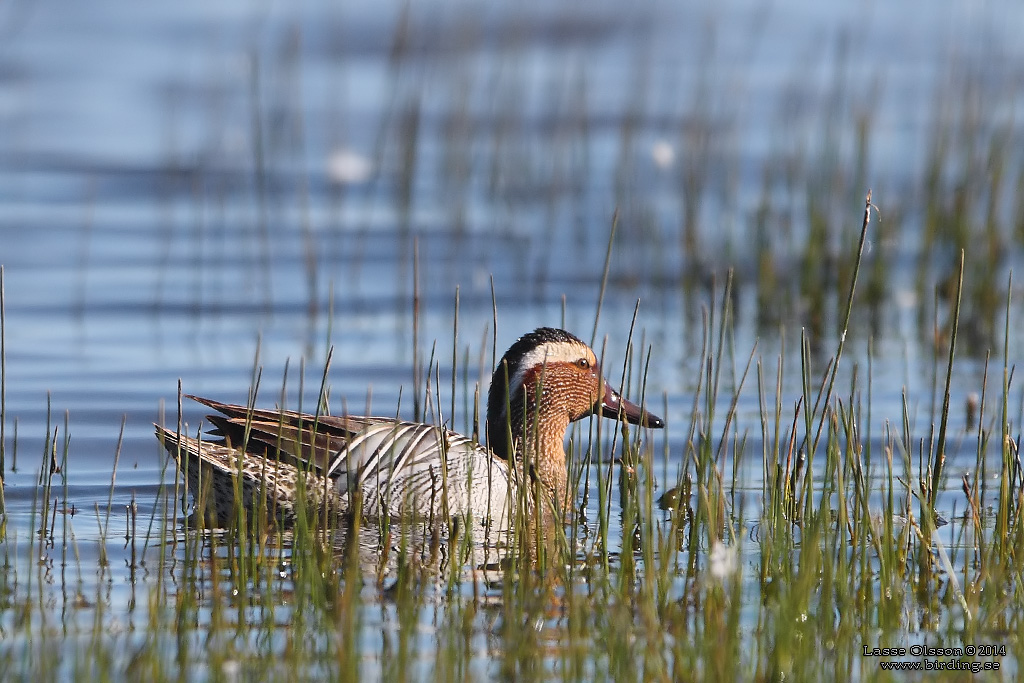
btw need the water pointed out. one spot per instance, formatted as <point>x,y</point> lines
<point>183,187</point>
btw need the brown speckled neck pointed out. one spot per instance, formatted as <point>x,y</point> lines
<point>533,436</point>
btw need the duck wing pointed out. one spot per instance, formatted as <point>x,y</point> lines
<point>423,470</point>
<point>398,466</point>
<point>309,442</point>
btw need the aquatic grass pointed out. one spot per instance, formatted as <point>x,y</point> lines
<point>821,565</point>
<point>671,603</point>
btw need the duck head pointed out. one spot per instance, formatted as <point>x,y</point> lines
<point>554,376</point>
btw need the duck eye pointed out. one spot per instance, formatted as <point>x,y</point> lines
<point>583,364</point>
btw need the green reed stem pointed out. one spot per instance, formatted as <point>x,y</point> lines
<point>846,316</point>
<point>940,448</point>
<point>604,275</point>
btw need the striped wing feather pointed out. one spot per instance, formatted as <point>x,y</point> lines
<point>412,468</point>
<point>399,467</point>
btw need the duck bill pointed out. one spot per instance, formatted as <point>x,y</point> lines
<point>613,405</point>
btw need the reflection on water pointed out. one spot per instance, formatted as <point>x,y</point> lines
<point>189,193</point>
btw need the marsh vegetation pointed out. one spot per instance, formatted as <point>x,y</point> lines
<point>404,191</point>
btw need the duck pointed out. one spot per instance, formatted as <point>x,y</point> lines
<point>285,460</point>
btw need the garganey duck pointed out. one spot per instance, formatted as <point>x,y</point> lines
<point>546,380</point>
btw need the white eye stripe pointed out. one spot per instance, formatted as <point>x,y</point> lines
<point>550,352</point>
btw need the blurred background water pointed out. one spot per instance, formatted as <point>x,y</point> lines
<point>182,185</point>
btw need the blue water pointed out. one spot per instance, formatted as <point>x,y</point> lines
<point>185,186</point>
